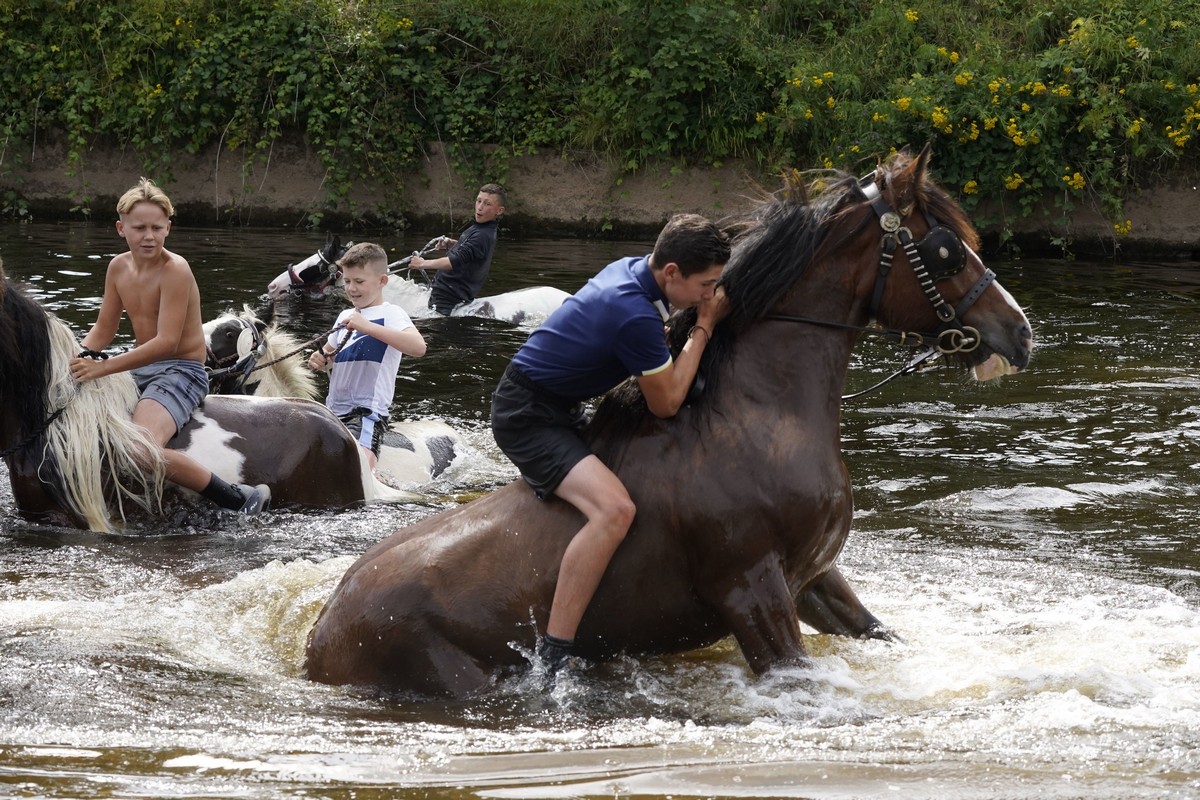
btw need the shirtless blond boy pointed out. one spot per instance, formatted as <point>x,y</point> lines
<point>158,292</point>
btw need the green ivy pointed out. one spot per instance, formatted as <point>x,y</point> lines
<point>1080,100</point>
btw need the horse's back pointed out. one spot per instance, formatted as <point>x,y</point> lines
<point>297,447</point>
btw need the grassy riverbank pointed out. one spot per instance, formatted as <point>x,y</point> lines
<point>1076,102</point>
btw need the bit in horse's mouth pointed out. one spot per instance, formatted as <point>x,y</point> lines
<point>995,366</point>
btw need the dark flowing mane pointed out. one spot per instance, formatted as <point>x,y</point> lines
<point>24,357</point>
<point>772,246</point>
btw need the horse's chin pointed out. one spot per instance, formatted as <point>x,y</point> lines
<point>993,367</point>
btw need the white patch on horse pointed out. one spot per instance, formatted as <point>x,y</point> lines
<point>213,446</point>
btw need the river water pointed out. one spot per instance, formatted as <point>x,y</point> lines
<point>1033,542</point>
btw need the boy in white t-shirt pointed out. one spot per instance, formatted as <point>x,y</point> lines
<point>365,354</point>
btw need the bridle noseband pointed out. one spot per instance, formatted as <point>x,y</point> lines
<point>946,254</point>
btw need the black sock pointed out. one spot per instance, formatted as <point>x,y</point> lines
<point>554,651</point>
<point>226,495</point>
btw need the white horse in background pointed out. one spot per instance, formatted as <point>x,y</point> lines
<point>318,276</point>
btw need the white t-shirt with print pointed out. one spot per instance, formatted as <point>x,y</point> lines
<point>364,371</point>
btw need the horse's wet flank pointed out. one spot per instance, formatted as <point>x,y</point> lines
<point>743,502</point>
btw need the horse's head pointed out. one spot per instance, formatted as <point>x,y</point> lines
<point>232,340</point>
<point>317,276</point>
<point>929,277</point>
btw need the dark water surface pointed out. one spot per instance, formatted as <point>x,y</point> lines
<point>1034,542</point>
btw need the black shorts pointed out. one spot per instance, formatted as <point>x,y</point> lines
<point>538,431</point>
<point>367,428</point>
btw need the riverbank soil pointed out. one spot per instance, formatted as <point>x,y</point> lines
<point>549,194</point>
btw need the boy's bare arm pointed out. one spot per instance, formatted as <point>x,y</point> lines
<point>407,340</point>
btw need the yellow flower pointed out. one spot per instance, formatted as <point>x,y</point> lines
<point>911,15</point>
<point>1133,42</point>
<point>1025,108</point>
<point>760,117</point>
<point>903,103</point>
<point>994,85</point>
<point>941,120</point>
<point>1123,228</point>
<point>808,113</point>
<point>1075,181</point>
<point>817,81</point>
<point>990,123</point>
<point>1134,128</point>
<point>178,21</point>
<point>1038,88</point>
<point>971,187</point>
<point>1063,90</point>
<point>829,101</point>
<point>954,58</point>
<point>828,162</point>
<point>963,78</point>
<point>827,75</point>
<point>1014,181</point>
<point>877,117</point>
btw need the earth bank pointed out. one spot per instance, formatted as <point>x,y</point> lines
<point>549,194</point>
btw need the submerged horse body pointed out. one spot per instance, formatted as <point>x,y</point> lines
<point>75,457</point>
<point>319,275</point>
<point>248,353</point>
<point>743,500</point>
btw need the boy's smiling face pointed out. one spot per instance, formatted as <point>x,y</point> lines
<point>364,285</point>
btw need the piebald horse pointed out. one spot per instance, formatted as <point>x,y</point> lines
<point>319,275</point>
<point>76,459</point>
<point>249,353</point>
<point>743,500</point>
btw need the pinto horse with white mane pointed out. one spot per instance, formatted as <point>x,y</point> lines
<point>248,353</point>
<point>743,500</point>
<point>76,459</point>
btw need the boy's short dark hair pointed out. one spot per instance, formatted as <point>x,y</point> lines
<point>691,241</point>
<point>365,254</point>
<point>496,189</point>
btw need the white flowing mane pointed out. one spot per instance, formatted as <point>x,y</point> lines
<point>287,378</point>
<point>95,434</point>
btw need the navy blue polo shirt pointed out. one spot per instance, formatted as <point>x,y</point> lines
<point>610,329</point>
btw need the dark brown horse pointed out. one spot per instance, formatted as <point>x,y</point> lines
<point>743,501</point>
<point>75,457</point>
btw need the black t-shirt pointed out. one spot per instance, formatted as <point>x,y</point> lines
<point>471,260</point>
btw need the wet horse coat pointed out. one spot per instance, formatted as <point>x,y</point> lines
<point>250,354</point>
<point>75,458</point>
<point>743,501</point>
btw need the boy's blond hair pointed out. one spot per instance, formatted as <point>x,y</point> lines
<point>365,254</point>
<point>145,192</point>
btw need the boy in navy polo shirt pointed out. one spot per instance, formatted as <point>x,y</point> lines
<point>462,271</point>
<point>611,329</point>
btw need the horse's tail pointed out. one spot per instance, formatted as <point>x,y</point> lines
<point>96,436</point>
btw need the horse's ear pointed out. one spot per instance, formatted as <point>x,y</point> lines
<point>906,184</point>
<point>332,250</point>
<point>266,316</point>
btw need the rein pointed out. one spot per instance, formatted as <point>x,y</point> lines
<point>247,364</point>
<point>952,336</point>
<point>33,436</point>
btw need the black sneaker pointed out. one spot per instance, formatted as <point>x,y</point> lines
<point>258,498</point>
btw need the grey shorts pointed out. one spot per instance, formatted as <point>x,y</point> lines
<point>367,427</point>
<point>538,431</point>
<point>176,384</point>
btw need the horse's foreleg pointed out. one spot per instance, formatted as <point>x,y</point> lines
<point>830,605</point>
<point>758,608</point>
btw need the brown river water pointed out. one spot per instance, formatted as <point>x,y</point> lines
<point>1034,542</point>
